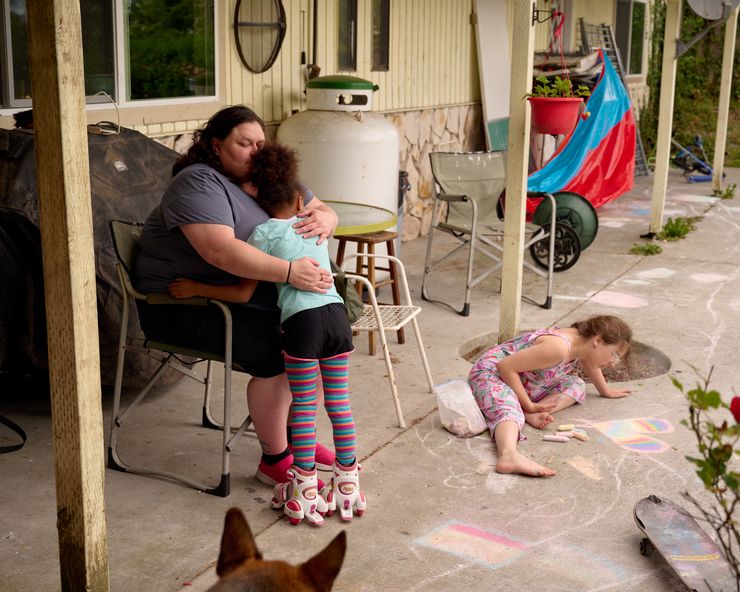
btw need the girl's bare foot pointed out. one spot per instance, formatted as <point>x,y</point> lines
<point>539,420</point>
<point>514,462</point>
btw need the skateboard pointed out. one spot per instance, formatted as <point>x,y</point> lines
<point>690,552</point>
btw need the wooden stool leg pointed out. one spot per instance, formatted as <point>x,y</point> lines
<point>358,268</point>
<point>371,277</point>
<point>340,250</point>
<point>391,248</point>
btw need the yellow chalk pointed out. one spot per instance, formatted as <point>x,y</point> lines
<point>565,427</point>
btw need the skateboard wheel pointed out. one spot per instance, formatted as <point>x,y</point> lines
<point>646,547</point>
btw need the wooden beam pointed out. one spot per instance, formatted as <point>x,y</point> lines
<point>665,112</point>
<point>723,112</point>
<point>55,51</point>
<point>522,58</point>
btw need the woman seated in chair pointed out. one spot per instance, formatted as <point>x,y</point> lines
<point>200,230</point>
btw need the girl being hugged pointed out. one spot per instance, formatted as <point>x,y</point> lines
<point>533,376</point>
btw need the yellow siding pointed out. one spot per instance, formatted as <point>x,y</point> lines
<point>594,12</point>
<point>432,57</point>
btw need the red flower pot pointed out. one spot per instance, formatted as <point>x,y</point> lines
<point>555,115</point>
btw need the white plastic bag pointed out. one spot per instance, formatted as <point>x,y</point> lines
<point>458,410</point>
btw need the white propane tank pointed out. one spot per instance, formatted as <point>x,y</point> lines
<point>346,152</point>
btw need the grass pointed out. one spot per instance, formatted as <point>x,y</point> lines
<point>673,230</point>
<point>677,228</point>
<point>646,249</point>
<point>726,193</point>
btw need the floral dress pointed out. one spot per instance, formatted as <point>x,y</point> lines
<point>499,402</point>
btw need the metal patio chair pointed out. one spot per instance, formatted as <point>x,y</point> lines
<point>389,317</point>
<point>126,238</point>
<point>471,184</point>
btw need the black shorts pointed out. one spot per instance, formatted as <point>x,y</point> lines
<point>257,347</point>
<point>318,333</point>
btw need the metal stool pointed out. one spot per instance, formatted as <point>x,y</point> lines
<point>366,267</point>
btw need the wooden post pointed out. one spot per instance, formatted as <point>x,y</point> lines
<point>665,112</point>
<point>55,51</point>
<point>723,112</point>
<point>522,58</point>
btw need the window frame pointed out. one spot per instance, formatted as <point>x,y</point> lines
<point>347,44</point>
<point>132,112</point>
<point>380,45</point>
<point>626,59</point>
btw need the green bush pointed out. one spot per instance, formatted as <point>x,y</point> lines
<point>698,77</point>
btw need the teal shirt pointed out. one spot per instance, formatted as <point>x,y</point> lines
<point>278,238</point>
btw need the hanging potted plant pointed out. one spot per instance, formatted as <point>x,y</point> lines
<point>556,105</point>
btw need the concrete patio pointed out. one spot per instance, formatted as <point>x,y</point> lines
<point>439,517</point>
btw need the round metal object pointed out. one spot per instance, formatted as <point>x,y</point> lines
<point>575,211</point>
<point>567,248</point>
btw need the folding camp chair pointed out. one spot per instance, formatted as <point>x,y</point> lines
<point>470,184</point>
<point>126,243</point>
<point>389,317</point>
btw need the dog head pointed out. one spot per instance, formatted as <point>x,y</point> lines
<point>241,567</point>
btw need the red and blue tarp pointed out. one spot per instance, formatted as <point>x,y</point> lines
<point>597,160</point>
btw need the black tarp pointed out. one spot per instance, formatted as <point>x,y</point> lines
<point>128,175</point>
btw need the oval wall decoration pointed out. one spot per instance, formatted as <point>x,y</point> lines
<point>259,30</point>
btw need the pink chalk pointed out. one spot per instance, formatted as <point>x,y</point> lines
<point>554,438</point>
<point>568,434</point>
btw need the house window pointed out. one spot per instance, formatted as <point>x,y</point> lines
<point>630,34</point>
<point>381,30</point>
<point>133,50</point>
<point>347,38</point>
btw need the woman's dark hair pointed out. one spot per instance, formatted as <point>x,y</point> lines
<point>273,171</point>
<point>218,127</point>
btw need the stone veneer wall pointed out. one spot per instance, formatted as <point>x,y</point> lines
<point>448,129</point>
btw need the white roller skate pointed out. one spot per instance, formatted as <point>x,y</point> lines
<point>343,492</point>
<point>300,498</point>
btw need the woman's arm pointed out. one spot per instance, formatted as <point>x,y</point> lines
<point>239,293</point>
<point>217,245</point>
<point>545,354</point>
<point>597,379</point>
<point>317,219</point>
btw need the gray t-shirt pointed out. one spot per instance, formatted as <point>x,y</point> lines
<point>197,195</point>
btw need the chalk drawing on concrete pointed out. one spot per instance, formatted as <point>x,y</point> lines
<point>656,273</point>
<point>495,550</point>
<point>636,282</point>
<point>586,467</point>
<point>618,299</point>
<point>708,278</point>
<point>701,199</point>
<point>611,224</point>
<point>635,434</point>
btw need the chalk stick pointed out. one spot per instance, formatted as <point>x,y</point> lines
<point>565,427</point>
<point>583,437</point>
<point>554,438</point>
<point>569,434</point>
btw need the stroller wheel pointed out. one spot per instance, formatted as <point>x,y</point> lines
<point>567,248</point>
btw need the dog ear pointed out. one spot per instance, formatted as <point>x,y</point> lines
<point>237,543</point>
<point>324,567</point>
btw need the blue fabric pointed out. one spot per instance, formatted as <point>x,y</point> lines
<point>279,238</point>
<point>607,104</point>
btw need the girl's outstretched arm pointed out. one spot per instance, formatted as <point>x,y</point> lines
<point>598,380</point>
<point>547,351</point>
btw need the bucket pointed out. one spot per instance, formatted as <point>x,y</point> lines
<point>555,115</point>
